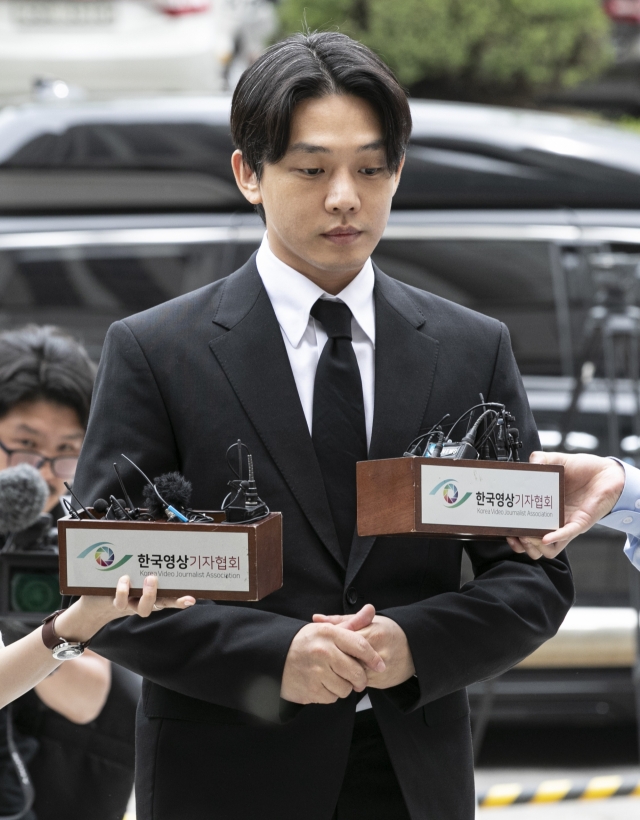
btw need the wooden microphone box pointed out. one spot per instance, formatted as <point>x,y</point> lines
<point>220,561</point>
<point>461,499</point>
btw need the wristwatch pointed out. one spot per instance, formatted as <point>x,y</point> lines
<point>61,649</point>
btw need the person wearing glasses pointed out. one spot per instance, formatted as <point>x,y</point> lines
<point>46,381</point>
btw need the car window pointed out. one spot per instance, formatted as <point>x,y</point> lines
<point>84,290</point>
<point>542,290</point>
<point>111,166</point>
<point>509,280</point>
<point>453,173</point>
<point>121,167</point>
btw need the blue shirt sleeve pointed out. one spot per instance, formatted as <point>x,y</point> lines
<point>625,516</point>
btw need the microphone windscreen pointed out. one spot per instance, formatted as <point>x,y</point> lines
<point>173,487</point>
<point>23,493</point>
<point>100,505</point>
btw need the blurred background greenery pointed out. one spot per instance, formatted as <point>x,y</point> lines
<point>498,50</point>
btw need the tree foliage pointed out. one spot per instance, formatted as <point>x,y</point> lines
<point>532,45</point>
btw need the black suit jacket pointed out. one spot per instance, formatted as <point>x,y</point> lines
<point>177,385</point>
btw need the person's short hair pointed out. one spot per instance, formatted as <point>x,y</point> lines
<point>44,363</point>
<point>306,66</point>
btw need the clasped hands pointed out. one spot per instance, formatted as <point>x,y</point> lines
<point>338,654</point>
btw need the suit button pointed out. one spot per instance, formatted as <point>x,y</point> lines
<point>352,595</point>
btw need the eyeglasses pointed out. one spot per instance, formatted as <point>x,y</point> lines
<point>61,466</point>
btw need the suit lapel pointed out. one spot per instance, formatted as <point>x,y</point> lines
<point>405,365</point>
<point>249,347</point>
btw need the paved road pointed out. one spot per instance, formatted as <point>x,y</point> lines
<point>529,756</point>
<point>619,808</point>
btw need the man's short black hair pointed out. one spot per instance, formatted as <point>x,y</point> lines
<point>307,66</point>
<point>44,363</point>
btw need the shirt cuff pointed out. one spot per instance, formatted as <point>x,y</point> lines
<point>625,515</point>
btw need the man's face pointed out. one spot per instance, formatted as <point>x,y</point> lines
<point>327,201</point>
<point>45,428</point>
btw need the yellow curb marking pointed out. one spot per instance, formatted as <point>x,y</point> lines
<point>600,787</point>
<point>549,791</point>
<point>502,795</point>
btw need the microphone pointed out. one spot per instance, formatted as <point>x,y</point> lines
<point>118,509</point>
<point>466,448</point>
<point>492,437</point>
<point>246,504</point>
<point>127,502</point>
<point>114,511</point>
<point>23,493</point>
<point>171,488</point>
<point>100,506</point>
<point>167,509</point>
<point>79,503</point>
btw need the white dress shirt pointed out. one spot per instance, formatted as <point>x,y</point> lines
<point>625,516</point>
<point>292,296</point>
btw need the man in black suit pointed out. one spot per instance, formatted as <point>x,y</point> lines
<point>315,359</point>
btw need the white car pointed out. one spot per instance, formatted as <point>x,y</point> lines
<point>74,48</point>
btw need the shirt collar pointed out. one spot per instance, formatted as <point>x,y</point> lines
<point>293,295</point>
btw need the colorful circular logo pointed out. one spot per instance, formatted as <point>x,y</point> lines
<point>450,493</point>
<point>104,556</point>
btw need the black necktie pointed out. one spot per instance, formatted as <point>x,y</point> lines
<point>338,430</point>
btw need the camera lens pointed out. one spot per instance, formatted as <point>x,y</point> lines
<point>35,592</point>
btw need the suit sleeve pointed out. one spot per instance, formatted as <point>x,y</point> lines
<point>228,655</point>
<point>512,606</point>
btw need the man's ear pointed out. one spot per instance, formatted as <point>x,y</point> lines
<point>398,173</point>
<point>246,179</point>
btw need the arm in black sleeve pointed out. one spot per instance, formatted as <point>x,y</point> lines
<point>227,655</point>
<point>512,606</point>
<point>212,652</point>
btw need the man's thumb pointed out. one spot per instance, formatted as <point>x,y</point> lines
<point>361,619</point>
<point>356,622</point>
<point>538,457</point>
